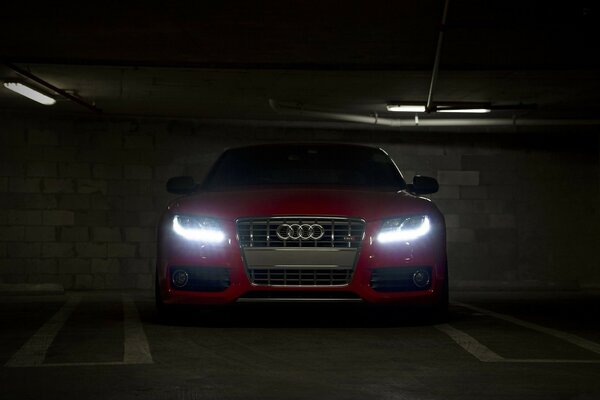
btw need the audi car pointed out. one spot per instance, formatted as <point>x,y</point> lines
<point>302,222</point>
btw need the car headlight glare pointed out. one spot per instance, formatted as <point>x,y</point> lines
<point>404,229</point>
<point>199,229</point>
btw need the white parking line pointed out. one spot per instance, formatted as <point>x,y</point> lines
<point>549,361</point>
<point>573,339</point>
<point>484,354</point>
<point>83,364</point>
<point>33,353</point>
<point>135,348</point>
<point>470,344</point>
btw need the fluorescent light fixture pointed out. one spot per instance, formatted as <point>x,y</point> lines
<point>30,93</point>
<point>406,108</point>
<point>464,110</point>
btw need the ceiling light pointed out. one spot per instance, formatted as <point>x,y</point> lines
<point>464,110</point>
<point>30,93</point>
<point>406,108</point>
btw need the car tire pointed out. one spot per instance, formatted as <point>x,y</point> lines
<point>163,310</point>
<point>439,311</point>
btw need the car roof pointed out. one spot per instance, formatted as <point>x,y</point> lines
<point>304,144</point>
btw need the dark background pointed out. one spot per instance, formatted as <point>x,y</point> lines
<point>177,82</point>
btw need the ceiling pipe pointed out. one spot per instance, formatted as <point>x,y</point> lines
<point>374,119</point>
<point>438,55</point>
<point>50,86</point>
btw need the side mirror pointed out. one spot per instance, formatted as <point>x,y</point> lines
<point>423,185</point>
<point>181,185</point>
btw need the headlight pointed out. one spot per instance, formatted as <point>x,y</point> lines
<point>402,229</point>
<point>199,229</point>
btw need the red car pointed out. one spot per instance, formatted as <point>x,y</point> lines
<point>302,222</point>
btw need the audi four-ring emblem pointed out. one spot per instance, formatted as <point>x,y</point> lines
<point>300,231</point>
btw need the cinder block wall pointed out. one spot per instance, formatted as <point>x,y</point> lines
<point>80,198</point>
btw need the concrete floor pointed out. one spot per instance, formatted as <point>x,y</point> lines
<point>112,346</point>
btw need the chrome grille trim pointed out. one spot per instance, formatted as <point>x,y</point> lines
<point>300,277</point>
<point>298,300</point>
<point>339,232</point>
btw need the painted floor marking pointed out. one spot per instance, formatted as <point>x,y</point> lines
<point>136,349</point>
<point>33,353</point>
<point>84,364</point>
<point>484,354</point>
<point>470,344</point>
<point>573,339</point>
<point>549,361</point>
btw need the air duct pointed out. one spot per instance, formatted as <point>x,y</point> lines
<point>374,119</point>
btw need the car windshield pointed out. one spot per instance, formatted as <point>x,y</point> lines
<point>326,165</point>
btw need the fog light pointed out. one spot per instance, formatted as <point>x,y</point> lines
<point>421,278</point>
<point>180,278</point>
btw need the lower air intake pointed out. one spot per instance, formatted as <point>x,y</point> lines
<point>400,279</point>
<point>300,277</point>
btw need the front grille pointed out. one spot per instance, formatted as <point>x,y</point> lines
<point>300,276</point>
<point>337,232</point>
<point>325,257</point>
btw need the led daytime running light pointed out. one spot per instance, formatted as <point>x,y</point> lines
<point>199,233</point>
<point>404,234</point>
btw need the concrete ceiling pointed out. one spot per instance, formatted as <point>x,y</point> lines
<point>223,60</point>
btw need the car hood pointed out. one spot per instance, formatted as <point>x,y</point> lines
<point>368,205</point>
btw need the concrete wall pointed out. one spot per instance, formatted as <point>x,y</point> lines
<point>79,199</point>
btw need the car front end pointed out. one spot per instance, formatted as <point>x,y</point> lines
<point>302,242</point>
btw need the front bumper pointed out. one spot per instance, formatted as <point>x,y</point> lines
<point>381,274</point>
